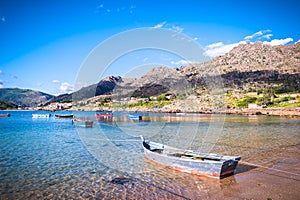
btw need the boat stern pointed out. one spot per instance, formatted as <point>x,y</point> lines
<point>229,166</point>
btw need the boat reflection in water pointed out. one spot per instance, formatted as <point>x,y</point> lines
<point>104,116</point>
<point>41,115</point>
<point>83,122</point>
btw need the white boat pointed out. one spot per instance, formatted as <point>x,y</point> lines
<point>135,117</point>
<point>41,115</point>
<point>189,161</point>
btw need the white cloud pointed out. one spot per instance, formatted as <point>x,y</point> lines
<point>145,59</point>
<point>214,45</point>
<point>55,81</point>
<point>267,36</point>
<point>80,85</point>
<point>66,87</point>
<point>177,29</point>
<point>259,33</point>
<point>131,8</point>
<point>276,42</point>
<point>0,71</point>
<point>1,84</point>
<point>295,43</point>
<point>160,25</point>
<point>218,49</point>
<point>183,62</point>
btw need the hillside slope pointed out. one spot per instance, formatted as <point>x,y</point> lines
<point>23,97</point>
<point>263,70</point>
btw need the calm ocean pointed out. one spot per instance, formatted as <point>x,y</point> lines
<point>55,159</point>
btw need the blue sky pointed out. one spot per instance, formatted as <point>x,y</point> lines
<point>44,43</point>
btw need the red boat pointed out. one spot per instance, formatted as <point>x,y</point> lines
<point>104,116</point>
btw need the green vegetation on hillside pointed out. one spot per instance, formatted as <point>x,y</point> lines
<point>149,102</point>
<point>7,106</point>
<point>268,98</point>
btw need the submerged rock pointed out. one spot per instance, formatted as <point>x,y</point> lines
<point>121,180</point>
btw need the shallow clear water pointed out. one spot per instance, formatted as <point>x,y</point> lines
<point>54,159</point>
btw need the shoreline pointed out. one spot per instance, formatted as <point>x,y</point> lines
<point>292,112</point>
<point>289,112</point>
<point>264,111</point>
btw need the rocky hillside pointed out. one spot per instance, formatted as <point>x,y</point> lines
<point>264,70</point>
<point>157,81</point>
<point>23,97</point>
<point>247,67</point>
<point>252,57</point>
<point>252,66</point>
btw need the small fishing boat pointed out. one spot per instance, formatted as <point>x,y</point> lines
<point>83,122</point>
<point>5,115</point>
<point>135,117</point>
<point>41,115</point>
<point>189,161</point>
<point>64,116</point>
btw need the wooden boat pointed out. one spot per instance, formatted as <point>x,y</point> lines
<point>135,117</point>
<point>41,115</point>
<point>64,116</point>
<point>189,161</point>
<point>83,122</point>
<point>5,115</point>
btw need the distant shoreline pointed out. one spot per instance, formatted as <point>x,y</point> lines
<point>238,111</point>
<point>292,112</point>
<point>265,111</point>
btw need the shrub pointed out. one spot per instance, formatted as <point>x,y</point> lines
<point>161,97</point>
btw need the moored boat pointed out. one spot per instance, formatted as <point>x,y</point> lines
<point>64,116</point>
<point>5,115</point>
<point>135,117</point>
<point>41,115</point>
<point>189,161</point>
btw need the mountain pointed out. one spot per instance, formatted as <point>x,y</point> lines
<point>104,86</point>
<point>253,67</point>
<point>23,97</point>
<point>258,68</point>
<point>266,72</point>
<point>155,82</point>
